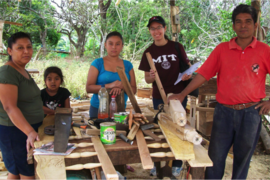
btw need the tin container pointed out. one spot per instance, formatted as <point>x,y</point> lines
<point>120,117</point>
<point>108,133</point>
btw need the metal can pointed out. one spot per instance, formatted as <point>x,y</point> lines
<point>117,117</point>
<point>108,132</point>
<point>123,116</point>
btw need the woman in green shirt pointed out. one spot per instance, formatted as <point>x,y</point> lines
<point>21,110</point>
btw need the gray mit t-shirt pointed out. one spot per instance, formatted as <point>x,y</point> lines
<point>29,99</point>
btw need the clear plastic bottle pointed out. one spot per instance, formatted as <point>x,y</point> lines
<point>113,107</point>
<point>103,110</point>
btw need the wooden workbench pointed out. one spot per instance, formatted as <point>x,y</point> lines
<point>120,153</point>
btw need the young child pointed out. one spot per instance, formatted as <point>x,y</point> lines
<point>53,95</point>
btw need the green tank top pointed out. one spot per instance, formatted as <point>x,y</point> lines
<point>29,99</point>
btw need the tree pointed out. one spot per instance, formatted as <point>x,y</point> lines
<point>77,16</point>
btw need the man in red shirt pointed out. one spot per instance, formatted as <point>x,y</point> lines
<point>241,66</point>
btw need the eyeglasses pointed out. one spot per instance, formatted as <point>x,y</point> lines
<point>158,28</point>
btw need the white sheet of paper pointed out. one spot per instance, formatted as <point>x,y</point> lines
<point>189,71</point>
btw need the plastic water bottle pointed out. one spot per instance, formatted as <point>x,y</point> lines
<point>113,107</point>
<point>103,110</point>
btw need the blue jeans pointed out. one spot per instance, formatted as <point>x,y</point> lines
<point>13,147</point>
<point>93,112</point>
<point>156,102</point>
<point>240,128</point>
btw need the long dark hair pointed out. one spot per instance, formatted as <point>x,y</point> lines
<point>56,70</point>
<point>14,37</point>
<point>115,33</point>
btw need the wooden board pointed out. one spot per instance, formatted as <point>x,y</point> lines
<point>201,157</point>
<point>128,89</point>
<point>132,132</point>
<point>13,23</point>
<point>1,34</point>
<point>44,139</point>
<point>182,150</point>
<point>104,159</point>
<point>32,70</point>
<point>50,167</point>
<point>157,79</point>
<point>146,159</point>
<point>152,135</point>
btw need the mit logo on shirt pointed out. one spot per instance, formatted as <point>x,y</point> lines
<point>163,58</point>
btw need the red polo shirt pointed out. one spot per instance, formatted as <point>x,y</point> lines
<point>240,73</point>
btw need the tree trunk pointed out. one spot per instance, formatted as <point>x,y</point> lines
<point>43,35</point>
<point>103,12</point>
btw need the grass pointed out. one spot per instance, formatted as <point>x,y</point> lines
<point>75,73</point>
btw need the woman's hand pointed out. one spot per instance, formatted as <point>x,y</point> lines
<point>32,136</point>
<point>116,84</point>
<point>115,91</point>
<point>186,77</point>
<point>152,74</point>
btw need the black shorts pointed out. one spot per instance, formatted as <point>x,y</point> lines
<point>13,147</point>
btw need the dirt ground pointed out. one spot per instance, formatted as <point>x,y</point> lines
<point>259,169</point>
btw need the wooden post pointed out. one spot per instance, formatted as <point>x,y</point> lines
<point>1,34</point>
<point>159,84</point>
<point>176,28</point>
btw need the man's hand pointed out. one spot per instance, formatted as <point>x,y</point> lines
<point>179,97</point>
<point>265,107</point>
<point>186,77</point>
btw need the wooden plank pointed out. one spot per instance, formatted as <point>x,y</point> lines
<point>50,167</point>
<point>32,70</point>
<point>104,159</point>
<point>128,89</point>
<point>152,135</point>
<point>132,132</point>
<point>182,150</point>
<point>13,23</point>
<point>146,159</point>
<point>157,79</point>
<point>77,131</point>
<point>1,34</point>
<point>201,157</point>
<point>178,113</point>
<point>185,133</point>
<point>44,139</point>
<point>132,99</point>
<point>192,116</point>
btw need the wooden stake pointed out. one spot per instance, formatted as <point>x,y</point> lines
<point>132,98</point>
<point>157,79</point>
<point>104,159</point>
<point>146,160</point>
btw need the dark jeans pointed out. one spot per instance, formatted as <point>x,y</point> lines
<point>93,112</point>
<point>156,102</point>
<point>240,128</point>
